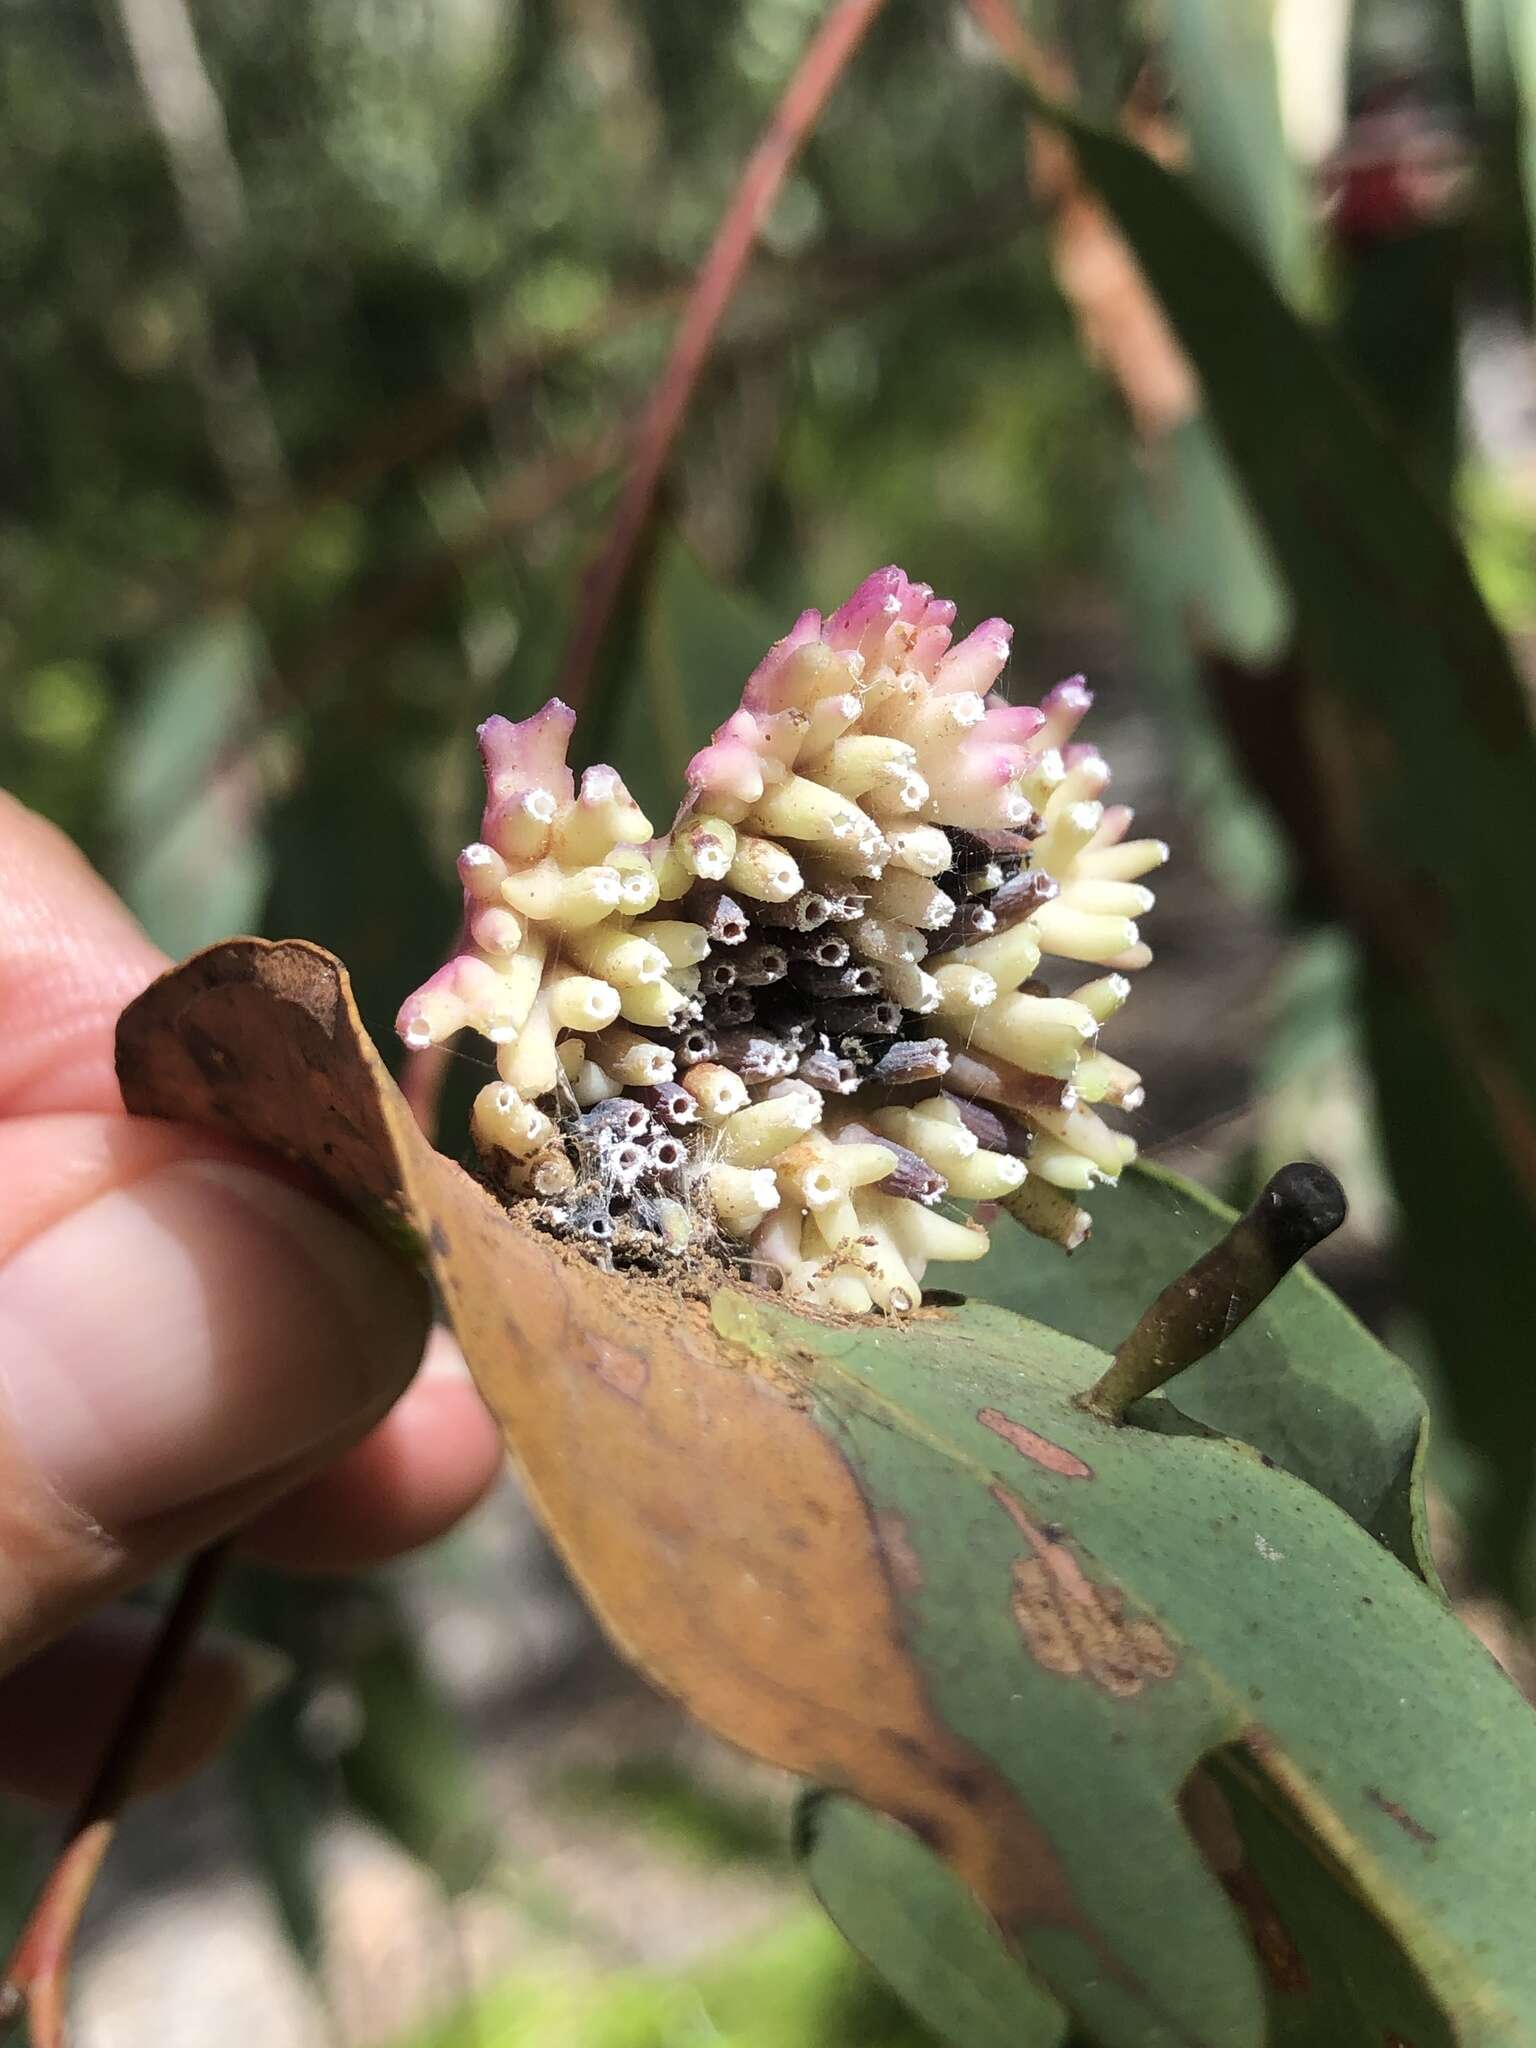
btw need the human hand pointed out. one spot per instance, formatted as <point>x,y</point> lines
<point>191,1342</point>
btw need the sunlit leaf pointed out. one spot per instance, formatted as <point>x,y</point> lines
<point>903,1560</point>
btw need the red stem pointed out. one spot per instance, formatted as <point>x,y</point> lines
<point>1019,48</point>
<point>36,1977</point>
<point>821,65</point>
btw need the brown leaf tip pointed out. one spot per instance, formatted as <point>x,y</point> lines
<point>1415,1830</point>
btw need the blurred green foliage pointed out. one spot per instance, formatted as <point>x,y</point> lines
<point>655,1794</point>
<point>431,288</point>
<point>796,1986</point>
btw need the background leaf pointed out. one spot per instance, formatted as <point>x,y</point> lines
<point>283,1785</point>
<point>354,864</point>
<point>361,1729</point>
<point>1221,56</point>
<point>1198,580</point>
<point>1331,1972</point>
<point>1411,691</point>
<point>699,644</point>
<point>186,796</point>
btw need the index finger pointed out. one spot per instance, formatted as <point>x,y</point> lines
<point>70,958</point>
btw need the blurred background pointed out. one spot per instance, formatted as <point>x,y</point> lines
<point>326,330</point>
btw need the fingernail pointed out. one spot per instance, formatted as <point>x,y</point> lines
<point>199,1328</point>
<point>442,1359</point>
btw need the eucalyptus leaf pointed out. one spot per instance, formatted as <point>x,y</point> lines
<point>26,1849</point>
<point>1175,1596</point>
<point>921,1929</point>
<point>1221,55</point>
<point>186,801</point>
<point>1469,1266</point>
<point>906,1561</point>
<point>281,1803</point>
<point>1331,1971</point>
<point>1197,580</point>
<point>1410,692</point>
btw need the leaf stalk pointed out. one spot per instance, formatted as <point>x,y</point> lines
<point>1300,1206</point>
<point>35,1982</point>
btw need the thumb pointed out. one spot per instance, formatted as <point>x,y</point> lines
<point>186,1340</point>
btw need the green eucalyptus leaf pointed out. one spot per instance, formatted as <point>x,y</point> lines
<point>1399,323</point>
<point>699,643</point>
<point>185,817</point>
<point>354,867</point>
<point>1197,580</point>
<point>1098,1609</point>
<point>26,1851</point>
<point>1331,1971</point>
<point>285,1792</point>
<point>283,1798</point>
<point>1193,565</point>
<point>921,1929</point>
<point>1489,40</point>
<point>1221,57</point>
<point>1470,1269</point>
<point>1397,316</point>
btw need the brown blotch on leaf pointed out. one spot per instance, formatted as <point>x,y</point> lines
<point>1072,1626</point>
<point>901,1559</point>
<point>623,1367</point>
<point>1415,1830</point>
<point>1029,1444</point>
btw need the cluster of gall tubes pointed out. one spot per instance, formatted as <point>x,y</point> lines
<point>862,979</point>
